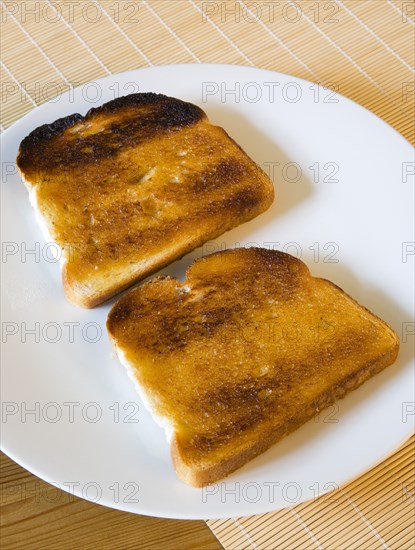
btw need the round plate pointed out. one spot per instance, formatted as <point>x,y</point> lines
<point>343,204</point>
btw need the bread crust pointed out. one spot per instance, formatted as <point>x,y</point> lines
<point>212,385</point>
<point>134,185</point>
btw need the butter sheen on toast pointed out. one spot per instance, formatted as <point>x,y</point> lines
<point>134,185</point>
<point>245,351</point>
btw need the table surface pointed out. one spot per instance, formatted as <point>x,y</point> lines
<point>364,47</point>
<point>37,515</point>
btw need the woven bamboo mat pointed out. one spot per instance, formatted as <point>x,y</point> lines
<point>365,48</point>
<point>375,511</point>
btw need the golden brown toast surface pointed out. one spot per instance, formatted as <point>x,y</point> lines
<point>134,185</point>
<point>247,349</point>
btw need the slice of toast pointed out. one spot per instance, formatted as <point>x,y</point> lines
<point>134,185</point>
<point>245,351</point>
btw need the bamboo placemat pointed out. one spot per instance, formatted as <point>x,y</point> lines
<point>363,48</point>
<point>375,511</point>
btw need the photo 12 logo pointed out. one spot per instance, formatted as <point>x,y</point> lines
<point>408,412</point>
<point>51,332</point>
<point>53,412</point>
<point>272,92</point>
<point>327,12</point>
<point>408,251</point>
<point>54,12</point>
<point>408,172</point>
<point>291,172</point>
<point>67,491</point>
<point>36,93</point>
<point>266,491</point>
<point>325,252</point>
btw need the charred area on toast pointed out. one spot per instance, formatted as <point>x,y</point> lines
<point>238,406</point>
<point>147,116</point>
<point>170,334</point>
<point>175,334</point>
<point>48,131</point>
<point>210,306</point>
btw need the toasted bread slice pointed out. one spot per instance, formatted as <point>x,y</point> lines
<point>134,185</point>
<point>245,351</point>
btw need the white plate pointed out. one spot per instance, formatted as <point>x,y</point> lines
<point>352,203</point>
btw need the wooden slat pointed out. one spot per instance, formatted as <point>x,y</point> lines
<point>35,515</point>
